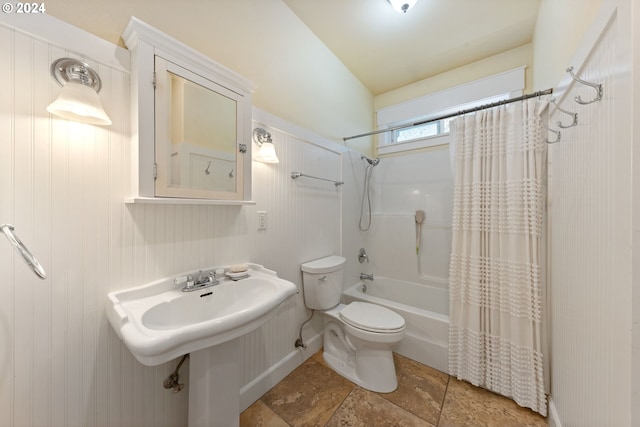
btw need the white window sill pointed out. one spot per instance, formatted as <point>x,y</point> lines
<point>415,144</point>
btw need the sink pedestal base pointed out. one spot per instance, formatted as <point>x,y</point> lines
<point>214,386</point>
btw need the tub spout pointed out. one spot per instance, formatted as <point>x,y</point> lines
<point>364,276</point>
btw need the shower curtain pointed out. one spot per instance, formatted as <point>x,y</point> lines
<point>495,271</point>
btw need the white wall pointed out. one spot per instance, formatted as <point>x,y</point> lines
<point>560,27</point>
<point>496,64</point>
<point>304,223</point>
<point>62,184</point>
<point>352,237</point>
<point>298,78</point>
<point>590,234</point>
<point>635,260</point>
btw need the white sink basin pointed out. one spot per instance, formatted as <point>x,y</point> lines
<point>158,322</point>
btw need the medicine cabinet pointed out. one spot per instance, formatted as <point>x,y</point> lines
<point>191,123</point>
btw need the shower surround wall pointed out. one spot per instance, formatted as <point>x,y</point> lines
<point>63,185</point>
<point>401,185</point>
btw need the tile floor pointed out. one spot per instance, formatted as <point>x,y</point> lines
<point>314,395</point>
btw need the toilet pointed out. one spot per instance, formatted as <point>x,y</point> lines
<point>358,337</point>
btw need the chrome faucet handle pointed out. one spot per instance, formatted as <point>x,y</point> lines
<point>212,279</point>
<point>362,256</point>
<point>188,280</point>
<point>199,278</point>
<point>205,280</point>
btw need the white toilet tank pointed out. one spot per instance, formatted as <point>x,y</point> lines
<point>322,281</point>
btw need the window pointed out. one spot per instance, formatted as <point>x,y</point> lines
<point>421,131</point>
<point>479,92</point>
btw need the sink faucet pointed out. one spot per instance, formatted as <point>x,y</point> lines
<point>199,283</point>
<point>364,276</point>
<point>210,279</point>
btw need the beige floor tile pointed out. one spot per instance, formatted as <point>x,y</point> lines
<point>467,405</point>
<point>319,358</point>
<point>314,395</point>
<point>309,395</point>
<point>259,415</point>
<point>420,389</point>
<point>363,408</point>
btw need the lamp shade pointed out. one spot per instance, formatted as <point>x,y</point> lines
<point>79,102</point>
<point>267,153</point>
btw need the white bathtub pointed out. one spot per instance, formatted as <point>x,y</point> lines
<point>425,309</point>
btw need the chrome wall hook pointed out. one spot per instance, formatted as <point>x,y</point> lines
<point>558,136</point>
<point>598,88</point>
<point>574,115</point>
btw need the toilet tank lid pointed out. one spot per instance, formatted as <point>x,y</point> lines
<point>323,265</point>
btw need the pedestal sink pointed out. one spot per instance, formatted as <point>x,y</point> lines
<point>159,322</point>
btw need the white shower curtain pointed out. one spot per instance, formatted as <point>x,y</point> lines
<point>495,273</point>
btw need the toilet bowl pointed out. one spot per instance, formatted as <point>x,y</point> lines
<point>358,337</point>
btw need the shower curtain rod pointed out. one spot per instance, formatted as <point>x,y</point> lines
<point>459,113</point>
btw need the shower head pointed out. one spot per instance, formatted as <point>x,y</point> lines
<point>372,162</point>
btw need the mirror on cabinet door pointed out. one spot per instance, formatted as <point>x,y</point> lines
<point>197,135</point>
<point>191,123</point>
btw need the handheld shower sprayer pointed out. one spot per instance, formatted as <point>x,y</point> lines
<point>368,170</point>
<point>420,215</point>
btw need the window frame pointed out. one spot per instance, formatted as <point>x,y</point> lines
<point>502,86</point>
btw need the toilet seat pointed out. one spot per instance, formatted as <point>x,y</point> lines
<point>372,318</point>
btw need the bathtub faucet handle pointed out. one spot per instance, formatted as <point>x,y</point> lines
<point>362,256</point>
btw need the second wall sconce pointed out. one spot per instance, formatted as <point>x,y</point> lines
<point>267,152</point>
<point>78,99</point>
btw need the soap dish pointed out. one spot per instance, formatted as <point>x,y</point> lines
<point>237,276</point>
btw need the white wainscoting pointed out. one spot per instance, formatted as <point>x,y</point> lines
<point>590,242</point>
<point>63,185</point>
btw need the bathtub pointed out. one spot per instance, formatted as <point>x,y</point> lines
<point>425,308</point>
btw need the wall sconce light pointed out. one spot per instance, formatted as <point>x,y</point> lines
<point>267,152</point>
<point>78,99</point>
<point>402,6</point>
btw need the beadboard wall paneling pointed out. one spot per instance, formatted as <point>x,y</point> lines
<point>303,223</point>
<point>590,244</point>
<point>63,185</point>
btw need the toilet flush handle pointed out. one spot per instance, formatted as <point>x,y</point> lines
<point>323,279</point>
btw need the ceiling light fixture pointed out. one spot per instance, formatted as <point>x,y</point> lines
<point>78,99</point>
<point>402,6</point>
<point>267,152</point>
